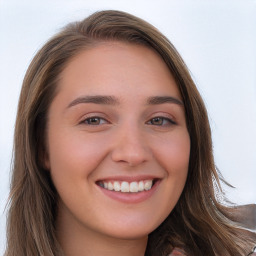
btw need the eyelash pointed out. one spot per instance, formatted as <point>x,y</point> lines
<point>87,120</point>
<point>164,121</point>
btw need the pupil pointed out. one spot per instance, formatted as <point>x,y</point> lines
<point>157,120</point>
<point>94,120</point>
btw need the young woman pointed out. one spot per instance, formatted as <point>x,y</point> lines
<point>113,151</point>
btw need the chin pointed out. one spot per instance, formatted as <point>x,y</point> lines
<point>130,231</point>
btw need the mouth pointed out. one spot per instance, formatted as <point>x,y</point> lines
<point>127,187</point>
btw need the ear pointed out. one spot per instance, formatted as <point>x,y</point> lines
<point>42,144</point>
<point>43,158</point>
<point>46,161</point>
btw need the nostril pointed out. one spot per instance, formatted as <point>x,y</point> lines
<point>130,150</point>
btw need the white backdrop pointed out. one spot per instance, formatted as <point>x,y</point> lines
<point>217,39</point>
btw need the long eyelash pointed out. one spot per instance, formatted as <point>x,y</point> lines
<point>91,117</point>
<point>164,118</point>
<point>170,120</point>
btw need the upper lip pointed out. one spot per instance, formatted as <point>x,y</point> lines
<point>129,178</point>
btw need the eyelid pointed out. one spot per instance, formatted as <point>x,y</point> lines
<point>165,116</point>
<point>93,115</point>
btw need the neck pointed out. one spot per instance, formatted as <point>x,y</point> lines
<point>76,239</point>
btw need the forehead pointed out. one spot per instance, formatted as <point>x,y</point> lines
<point>119,68</point>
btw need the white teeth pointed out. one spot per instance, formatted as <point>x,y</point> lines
<point>110,186</point>
<point>141,186</point>
<point>148,185</point>
<point>126,187</point>
<point>117,186</point>
<point>134,186</point>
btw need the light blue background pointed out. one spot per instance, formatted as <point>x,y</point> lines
<point>216,38</point>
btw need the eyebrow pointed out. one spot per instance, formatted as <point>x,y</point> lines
<point>97,99</point>
<point>156,100</point>
<point>111,100</point>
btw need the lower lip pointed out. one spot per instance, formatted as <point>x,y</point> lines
<point>131,198</point>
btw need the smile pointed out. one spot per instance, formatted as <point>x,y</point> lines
<point>130,190</point>
<point>127,187</point>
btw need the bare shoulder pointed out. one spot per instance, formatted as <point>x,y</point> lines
<point>177,252</point>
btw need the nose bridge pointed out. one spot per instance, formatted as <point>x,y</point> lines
<point>131,145</point>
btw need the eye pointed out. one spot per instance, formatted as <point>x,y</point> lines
<point>95,120</point>
<point>161,121</point>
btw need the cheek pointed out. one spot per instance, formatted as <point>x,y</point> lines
<point>74,156</point>
<point>173,153</point>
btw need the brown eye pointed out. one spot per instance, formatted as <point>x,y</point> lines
<point>157,121</point>
<point>161,121</point>
<point>94,121</point>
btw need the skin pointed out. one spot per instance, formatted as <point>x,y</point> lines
<point>126,139</point>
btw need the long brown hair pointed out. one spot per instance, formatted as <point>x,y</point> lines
<point>199,224</point>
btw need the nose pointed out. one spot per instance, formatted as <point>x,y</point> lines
<point>130,147</point>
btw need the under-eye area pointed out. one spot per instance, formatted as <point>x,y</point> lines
<point>128,187</point>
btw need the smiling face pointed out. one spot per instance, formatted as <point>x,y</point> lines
<point>118,145</point>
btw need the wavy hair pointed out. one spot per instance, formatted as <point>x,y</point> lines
<point>199,223</point>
